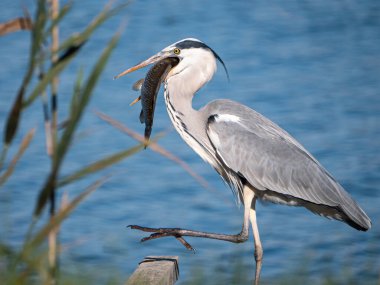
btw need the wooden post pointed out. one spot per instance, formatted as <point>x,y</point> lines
<point>155,270</point>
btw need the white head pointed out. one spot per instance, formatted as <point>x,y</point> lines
<point>197,63</point>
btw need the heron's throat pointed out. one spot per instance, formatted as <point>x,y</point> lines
<point>179,96</point>
<point>187,78</point>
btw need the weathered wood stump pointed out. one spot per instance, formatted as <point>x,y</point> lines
<point>155,270</point>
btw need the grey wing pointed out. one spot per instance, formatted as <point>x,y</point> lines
<point>277,166</point>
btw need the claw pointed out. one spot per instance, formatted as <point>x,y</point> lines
<point>185,243</point>
<point>144,229</point>
<point>158,233</point>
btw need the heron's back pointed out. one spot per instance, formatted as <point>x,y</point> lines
<point>278,167</point>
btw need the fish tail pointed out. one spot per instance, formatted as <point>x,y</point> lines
<point>148,131</point>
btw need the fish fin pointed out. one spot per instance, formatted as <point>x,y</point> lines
<point>142,117</point>
<point>137,85</point>
<point>135,101</point>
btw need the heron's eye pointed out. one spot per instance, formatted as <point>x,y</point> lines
<point>176,51</point>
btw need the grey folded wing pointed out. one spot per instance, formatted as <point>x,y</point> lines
<point>280,169</point>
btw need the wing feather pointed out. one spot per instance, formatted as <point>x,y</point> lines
<point>275,163</point>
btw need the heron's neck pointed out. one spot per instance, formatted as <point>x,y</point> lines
<point>186,79</point>
<point>179,97</point>
<point>180,86</point>
<point>179,103</point>
<point>189,123</point>
<point>186,120</point>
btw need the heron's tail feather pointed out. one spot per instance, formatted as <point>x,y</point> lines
<point>355,216</point>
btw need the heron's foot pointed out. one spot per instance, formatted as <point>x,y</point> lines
<point>163,232</point>
<point>180,233</point>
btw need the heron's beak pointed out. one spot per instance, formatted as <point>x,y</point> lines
<point>151,60</point>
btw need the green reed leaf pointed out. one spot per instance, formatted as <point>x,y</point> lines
<point>73,122</point>
<point>61,15</point>
<point>37,39</point>
<point>23,146</point>
<point>55,70</point>
<point>60,216</point>
<point>99,165</point>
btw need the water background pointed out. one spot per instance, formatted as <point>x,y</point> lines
<point>313,67</point>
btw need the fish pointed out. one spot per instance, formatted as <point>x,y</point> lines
<point>149,86</point>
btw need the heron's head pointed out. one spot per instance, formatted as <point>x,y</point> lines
<point>197,62</point>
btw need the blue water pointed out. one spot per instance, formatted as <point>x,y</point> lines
<point>311,66</point>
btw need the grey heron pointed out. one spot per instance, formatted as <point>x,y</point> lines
<point>256,158</point>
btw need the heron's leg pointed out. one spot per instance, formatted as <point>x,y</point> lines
<point>256,236</point>
<point>248,196</point>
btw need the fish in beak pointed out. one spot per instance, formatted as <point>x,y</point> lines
<point>150,86</point>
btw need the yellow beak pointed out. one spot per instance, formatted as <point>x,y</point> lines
<point>151,60</point>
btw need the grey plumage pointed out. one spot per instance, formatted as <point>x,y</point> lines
<point>253,155</point>
<point>278,166</point>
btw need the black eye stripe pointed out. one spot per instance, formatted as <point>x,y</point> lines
<point>191,44</point>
